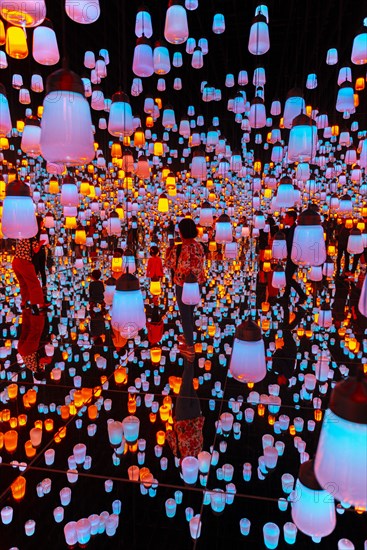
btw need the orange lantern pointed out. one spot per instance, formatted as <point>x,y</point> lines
<point>18,488</point>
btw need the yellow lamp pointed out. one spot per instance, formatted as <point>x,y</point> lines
<point>16,43</point>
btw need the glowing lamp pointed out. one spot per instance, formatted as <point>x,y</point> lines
<point>313,508</point>
<point>308,248</point>
<point>341,456</point>
<point>248,354</point>
<point>128,314</point>
<point>191,290</point>
<point>66,123</point>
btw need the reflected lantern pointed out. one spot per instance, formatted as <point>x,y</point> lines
<point>308,248</point>
<point>66,122</point>
<point>176,30</point>
<point>114,224</point>
<point>248,354</point>
<point>84,12</point>
<point>18,219</point>
<point>128,314</point>
<point>279,246</point>
<point>206,215</point>
<point>355,242</point>
<point>341,456</point>
<point>69,192</point>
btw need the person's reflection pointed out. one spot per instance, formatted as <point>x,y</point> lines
<point>186,437</point>
<point>29,345</point>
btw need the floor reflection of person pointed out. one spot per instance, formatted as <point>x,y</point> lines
<point>30,346</point>
<point>186,436</point>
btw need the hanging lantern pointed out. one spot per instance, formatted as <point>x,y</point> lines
<point>279,246</point>
<point>176,30</point>
<point>345,98</point>
<point>257,116</point>
<point>279,279</point>
<point>114,225</point>
<point>131,426</point>
<point>128,261</point>
<point>355,242</point>
<point>259,42</point>
<point>206,215</point>
<point>69,192</point>
<point>302,139</point>
<point>45,49</point>
<point>19,218</point>
<point>66,123</point>
<point>128,315</point>
<point>294,106</point>
<point>191,291</point>
<point>143,65</point>
<point>198,165</point>
<point>308,248</point>
<point>315,273</point>
<point>223,230</point>
<point>5,120</point>
<point>31,137</point>
<point>80,235</point>
<point>259,220</point>
<point>341,456</point>
<point>163,204</point>
<point>328,268</point>
<point>23,13</point>
<point>359,50</point>
<point>143,23</point>
<point>313,508</point>
<point>120,122</point>
<point>324,317</point>
<point>285,193</point>
<point>16,43</point>
<point>161,60</point>
<point>84,12</point>
<point>155,286</point>
<point>248,354</point>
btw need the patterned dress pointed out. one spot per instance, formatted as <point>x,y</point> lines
<point>191,260</point>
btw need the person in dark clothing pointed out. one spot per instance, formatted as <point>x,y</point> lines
<point>342,236</point>
<point>96,290</point>
<point>39,256</point>
<point>291,268</point>
<point>186,437</point>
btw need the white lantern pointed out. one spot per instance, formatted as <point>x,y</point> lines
<point>223,230</point>
<point>191,291</point>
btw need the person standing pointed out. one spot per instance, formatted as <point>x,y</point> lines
<point>30,287</point>
<point>186,259</point>
<point>291,268</point>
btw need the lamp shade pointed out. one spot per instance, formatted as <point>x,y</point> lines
<point>114,224</point>
<point>294,106</point>
<point>248,354</point>
<point>278,280</point>
<point>190,469</point>
<point>198,165</point>
<point>308,248</point>
<point>341,456</point>
<point>69,193</point>
<point>128,314</point>
<point>19,218</point>
<point>143,64</point>
<point>313,508</point>
<point>66,123</point>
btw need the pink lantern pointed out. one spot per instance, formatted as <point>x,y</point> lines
<point>83,11</point>
<point>23,13</point>
<point>248,354</point>
<point>31,137</point>
<point>176,30</point>
<point>45,50</point>
<point>19,218</point>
